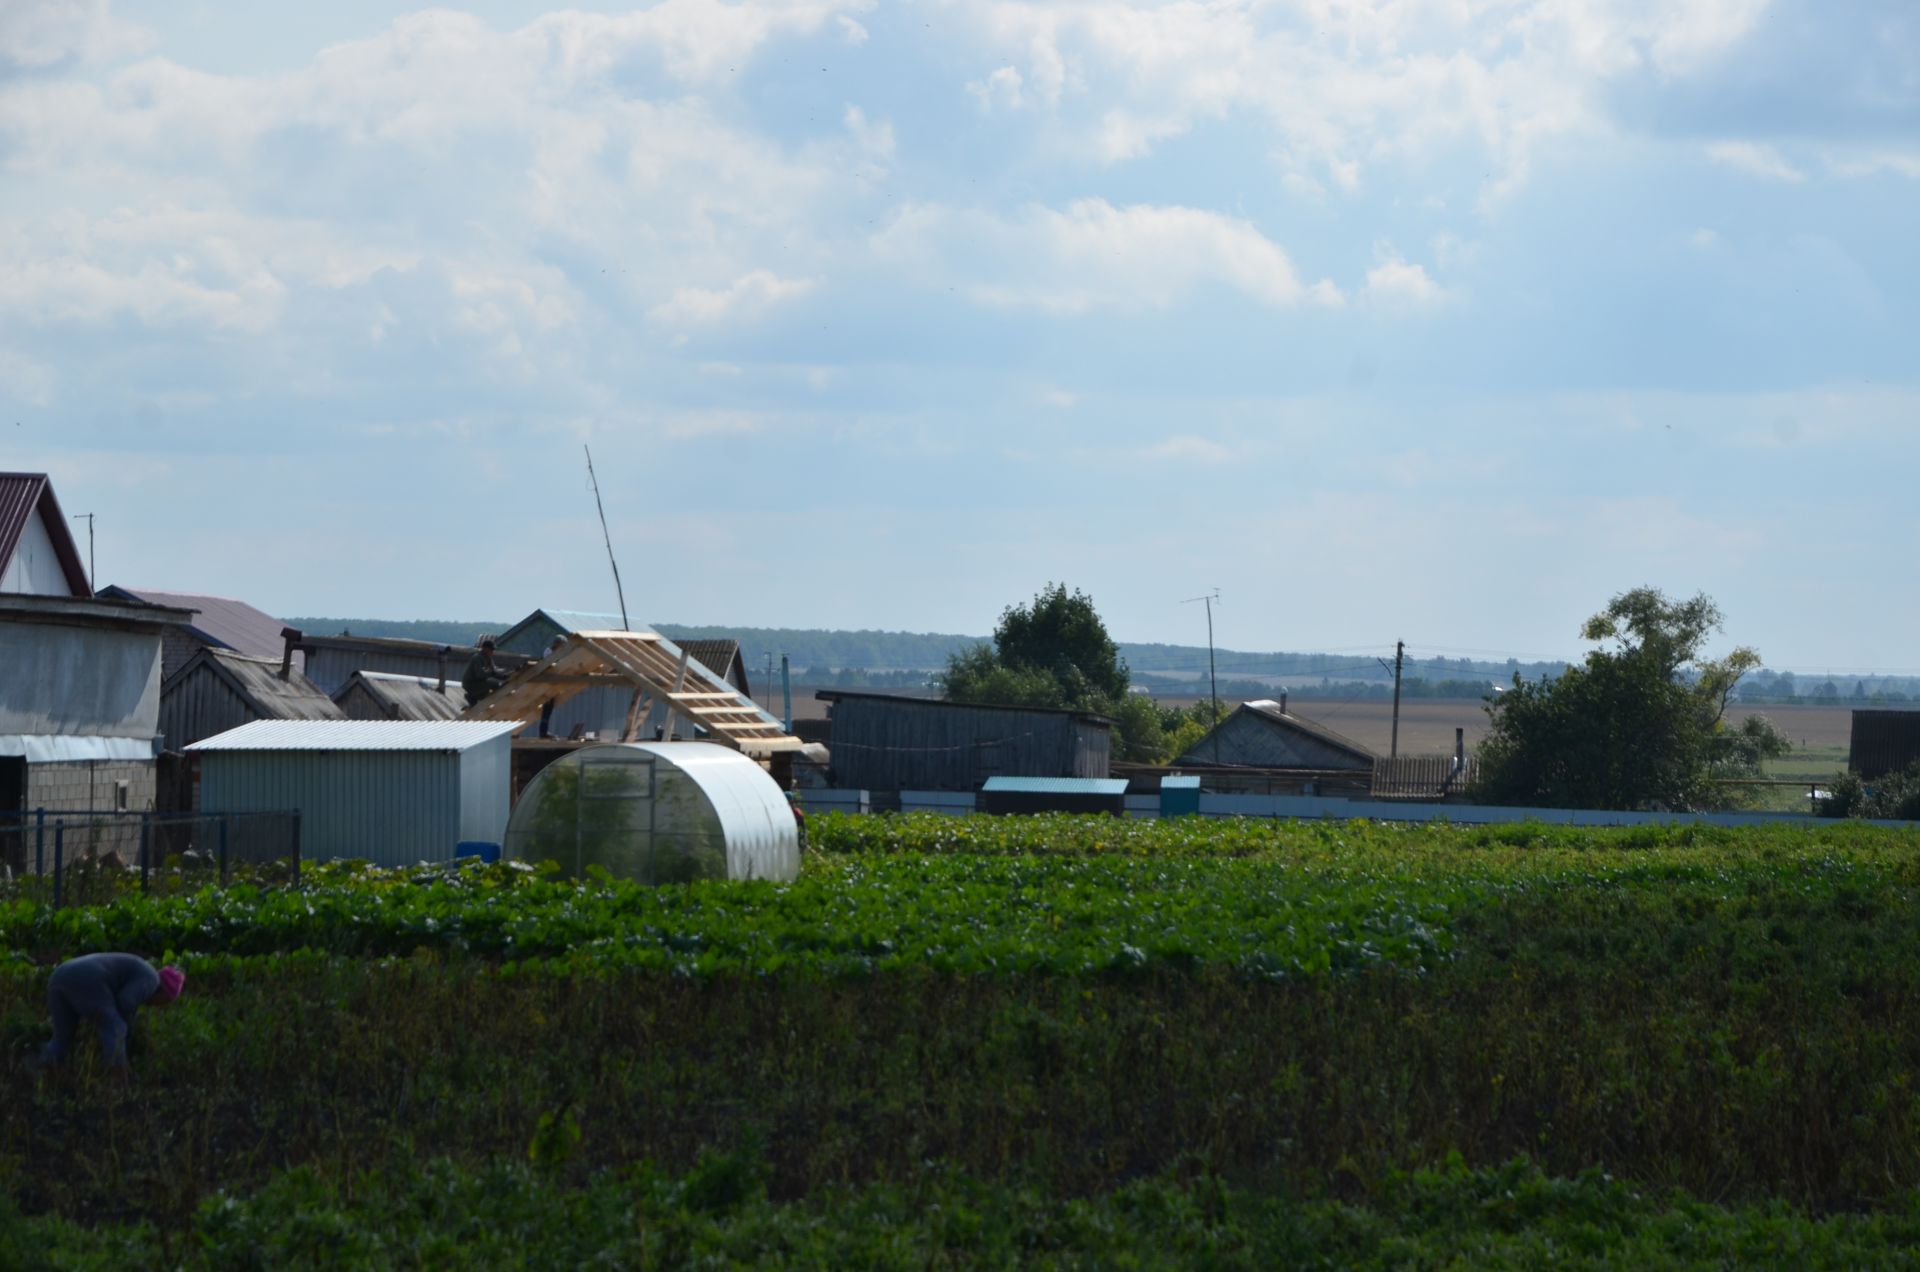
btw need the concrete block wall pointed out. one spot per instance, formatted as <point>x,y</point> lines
<point>90,784</point>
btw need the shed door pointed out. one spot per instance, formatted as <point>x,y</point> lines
<point>13,809</point>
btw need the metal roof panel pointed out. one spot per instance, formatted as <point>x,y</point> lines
<point>358,735</point>
<point>1058,785</point>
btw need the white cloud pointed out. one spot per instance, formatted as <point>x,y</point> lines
<point>749,296</point>
<point>1059,399</point>
<point>35,34</point>
<point>1755,159</point>
<point>1000,90</point>
<point>1890,163</point>
<point>874,139</point>
<point>1189,449</point>
<point>1399,282</point>
<point>1093,256</point>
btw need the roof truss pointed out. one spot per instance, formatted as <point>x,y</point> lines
<point>657,670</point>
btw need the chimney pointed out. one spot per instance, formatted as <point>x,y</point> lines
<point>1283,702</point>
<point>292,636</point>
<point>1459,746</point>
<point>443,669</point>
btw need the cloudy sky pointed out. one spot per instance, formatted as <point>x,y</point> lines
<point>1440,320</point>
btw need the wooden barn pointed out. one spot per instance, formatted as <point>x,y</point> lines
<point>1265,735</point>
<point>218,690</point>
<point>888,742</point>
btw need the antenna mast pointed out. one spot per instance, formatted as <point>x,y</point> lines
<point>617,589</point>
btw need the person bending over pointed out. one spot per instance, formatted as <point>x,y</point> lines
<point>105,990</point>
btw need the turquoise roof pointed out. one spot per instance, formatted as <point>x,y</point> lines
<point>1059,785</point>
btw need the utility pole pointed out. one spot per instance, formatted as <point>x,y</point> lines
<point>1213,683</point>
<point>92,585</point>
<point>769,682</point>
<point>1399,657</point>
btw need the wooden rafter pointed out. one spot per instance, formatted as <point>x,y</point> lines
<point>657,670</point>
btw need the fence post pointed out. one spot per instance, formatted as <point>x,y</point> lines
<point>146,847</point>
<point>40,841</point>
<point>59,858</point>
<point>296,848</point>
<point>224,822</point>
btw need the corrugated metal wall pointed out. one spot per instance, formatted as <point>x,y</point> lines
<point>392,808</point>
<point>486,780</point>
<point>199,706</point>
<point>1883,742</point>
<point>932,746</point>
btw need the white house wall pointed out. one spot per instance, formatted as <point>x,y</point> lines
<point>35,568</point>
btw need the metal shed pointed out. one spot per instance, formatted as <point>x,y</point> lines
<point>887,742</point>
<point>392,792</point>
<point>657,812</point>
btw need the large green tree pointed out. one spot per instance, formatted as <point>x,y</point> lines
<point>1055,652</point>
<point>1639,724</point>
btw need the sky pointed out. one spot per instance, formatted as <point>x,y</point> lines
<point>1434,320</point>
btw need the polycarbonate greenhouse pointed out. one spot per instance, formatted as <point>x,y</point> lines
<point>657,812</point>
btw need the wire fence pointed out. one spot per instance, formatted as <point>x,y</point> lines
<point>88,857</point>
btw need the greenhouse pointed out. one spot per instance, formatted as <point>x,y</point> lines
<point>657,812</point>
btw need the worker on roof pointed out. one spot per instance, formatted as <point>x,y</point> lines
<point>481,676</point>
<point>555,646</point>
<point>105,990</point>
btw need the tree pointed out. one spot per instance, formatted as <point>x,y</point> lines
<point>1639,724</point>
<point>1055,652</point>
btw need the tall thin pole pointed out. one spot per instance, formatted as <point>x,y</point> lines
<point>625,625</point>
<point>1213,683</point>
<point>1399,657</point>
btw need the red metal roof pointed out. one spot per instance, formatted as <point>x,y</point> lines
<point>21,494</point>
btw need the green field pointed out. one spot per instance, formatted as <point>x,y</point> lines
<point>989,1041</point>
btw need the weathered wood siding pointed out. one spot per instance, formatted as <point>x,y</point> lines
<point>199,705</point>
<point>1252,740</point>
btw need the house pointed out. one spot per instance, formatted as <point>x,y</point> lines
<point>79,704</point>
<point>219,689</point>
<point>37,553</point>
<point>219,622</point>
<point>602,710</point>
<point>891,742</point>
<point>385,695</point>
<point>1263,734</point>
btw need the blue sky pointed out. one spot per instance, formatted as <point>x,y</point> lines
<point>1440,320</point>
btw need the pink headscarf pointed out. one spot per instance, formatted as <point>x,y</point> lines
<point>172,981</point>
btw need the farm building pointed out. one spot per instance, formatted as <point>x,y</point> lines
<point>602,710</point>
<point>1264,734</point>
<point>218,622</point>
<point>38,556</point>
<point>384,695</point>
<point>389,792</point>
<point>79,703</point>
<point>1883,742</point>
<point>887,742</point>
<point>332,660</point>
<point>218,690</point>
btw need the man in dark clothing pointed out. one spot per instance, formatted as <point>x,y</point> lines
<point>105,989</point>
<point>481,676</point>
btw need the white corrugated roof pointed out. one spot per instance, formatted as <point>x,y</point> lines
<point>358,735</point>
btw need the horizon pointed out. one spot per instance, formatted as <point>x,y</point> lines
<point>1425,322</point>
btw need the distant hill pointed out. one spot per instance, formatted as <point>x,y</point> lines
<point>905,657</point>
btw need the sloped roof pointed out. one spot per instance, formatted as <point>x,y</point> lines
<point>409,697</point>
<point>258,682</point>
<point>219,620</point>
<point>718,657</point>
<point>527,637</point>
<point>23,494</point>
<point>358,735</point>
<point>1269,711</point>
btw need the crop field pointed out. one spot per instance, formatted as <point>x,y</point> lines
<point>998,1041</point>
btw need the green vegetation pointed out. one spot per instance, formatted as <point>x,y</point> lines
<point>1640,726</point>
<point>1012,1039</point>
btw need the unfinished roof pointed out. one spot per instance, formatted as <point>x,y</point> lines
<point>408,697</point>
<point>258,683</point>
<point>531,634</point>
<point>219,620</point>
<point>654,669</point>
<point>21,496</point>
<point>358,735</point>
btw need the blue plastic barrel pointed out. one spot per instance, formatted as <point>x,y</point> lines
<point>481,848</point>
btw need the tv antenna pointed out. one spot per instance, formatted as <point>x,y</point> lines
<point>1213,685</point>
<point>87,517</point>
<point>608,538</point>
